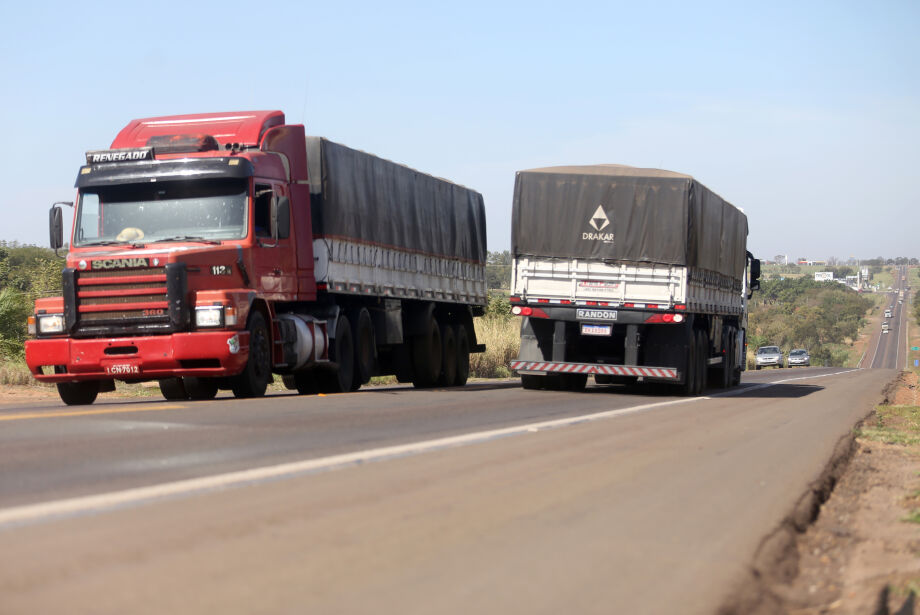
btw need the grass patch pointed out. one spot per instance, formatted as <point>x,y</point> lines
<point>503,342</point>
<point>913,517</point>
<point>894,425</point>
<point>16,373</point>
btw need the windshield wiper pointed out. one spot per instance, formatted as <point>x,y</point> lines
<point>187,238</point>
<point>111,242</point>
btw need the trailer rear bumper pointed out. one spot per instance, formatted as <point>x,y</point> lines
<point>558,367</point>
<point>204,354</point>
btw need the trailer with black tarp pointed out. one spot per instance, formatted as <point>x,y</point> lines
<point>626,274</point>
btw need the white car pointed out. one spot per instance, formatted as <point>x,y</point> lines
<point>799,357</point>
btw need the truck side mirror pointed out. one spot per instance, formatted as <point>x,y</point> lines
<point>755,274</point>
<point>56,225</point>
<point>281,217</point>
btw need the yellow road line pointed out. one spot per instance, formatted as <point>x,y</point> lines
<point>113,410</point>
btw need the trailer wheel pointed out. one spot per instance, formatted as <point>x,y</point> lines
<point>78,393</point>
<point>254,378</point>
<point>463,355</point>
<point>305,382</point>
<point>574,382</point>
<point>533,381</point>
<point>342,352</point>
<point>200,388</point>
<point>702,345</point>
<point>173,389</point>
<point>365,349</point>
<point>736,364</point>
<point>690,365</point>
<point>426,355</point>
<point>448,375</point>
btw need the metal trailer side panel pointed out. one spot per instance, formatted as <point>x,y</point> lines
<point>580,281</point>
<point>360,269</point>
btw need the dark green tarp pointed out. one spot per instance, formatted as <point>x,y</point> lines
<point>615,212</point>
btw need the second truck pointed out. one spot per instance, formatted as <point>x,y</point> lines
<point>628,274</point>
<point>210,251</point>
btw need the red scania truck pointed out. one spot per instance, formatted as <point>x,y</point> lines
<point>210,251</point>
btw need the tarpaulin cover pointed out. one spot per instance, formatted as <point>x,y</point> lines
<point>358,196</point>
<point>615,212</point>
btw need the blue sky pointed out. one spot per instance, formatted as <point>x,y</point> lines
<point>804,114</point>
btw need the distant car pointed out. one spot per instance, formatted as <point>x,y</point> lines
<point>799,357</point>
<point>887,313</point>
<point>768,356</point>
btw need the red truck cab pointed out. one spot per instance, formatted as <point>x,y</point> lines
<point>184,241</point>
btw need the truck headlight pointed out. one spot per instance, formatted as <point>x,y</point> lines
<point>209,316</point>
<point>50,323</point>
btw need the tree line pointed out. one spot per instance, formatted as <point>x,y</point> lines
<point>26,273</point>
<point>822,317</point>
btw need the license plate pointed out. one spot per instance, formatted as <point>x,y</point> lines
<point>596,329</point>
<point>122,369</point>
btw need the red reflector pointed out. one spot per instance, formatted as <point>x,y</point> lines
<point>680,306</point>
<point>514,299</point>
<point>566,302</point>
<point>655,318</point>
<point>603,303</point>
<point>652,306</point>
<point>667,317</point>
<point>629,305</point>
<point>542,300</point>
<point>538,313</point>
<point>321,286</point>
<point>590,302</point>
<point>526,311</point>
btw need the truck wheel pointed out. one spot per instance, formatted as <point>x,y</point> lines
<point>426,355</point>
<point>342,353</point>
<point>448,375</point>
<point>463,355</point>
<point>200,388</point>
<point>305,383</point>
<point>365,348</point>
<point>254,378</point>
<point>78,393</point>
<point>173,389</point>
<point>702,345</point>
<point>532,381</point>
<point>574,382</point>
<point>690,365</point>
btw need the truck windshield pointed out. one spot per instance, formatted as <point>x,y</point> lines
<point>209,210</point>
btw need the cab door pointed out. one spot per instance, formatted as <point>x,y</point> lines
<point>275,266</point>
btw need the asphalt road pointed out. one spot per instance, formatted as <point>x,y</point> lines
<point>488,499</point>
<point>889,350</point>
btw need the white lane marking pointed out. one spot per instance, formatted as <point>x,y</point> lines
<point>31,513</point>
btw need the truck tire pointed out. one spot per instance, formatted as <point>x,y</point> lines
<point>254,378</point>
<point>173,389</point>
<point>305,383</point>
<point>341,378</point>
<point>78,393</point>
<point>574,382</point>
<point>702,345</point>
<point>690,366</point>
<point>448,375</point>
<point>200,388</point>
<point>426,355</point>
<point>462,341</point>
<point>365,348</point>
<point>533,382</point>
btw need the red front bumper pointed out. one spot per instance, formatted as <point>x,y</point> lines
<point>208,353</point>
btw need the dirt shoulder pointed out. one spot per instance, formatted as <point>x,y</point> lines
<point>853,543</point>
